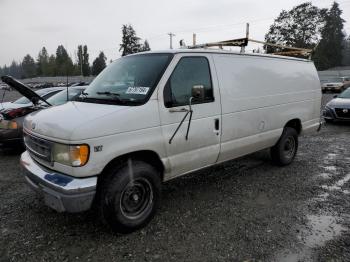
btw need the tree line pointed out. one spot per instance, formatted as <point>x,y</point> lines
<point>58,64</point>
<point>310,27</point>
<point>61,63</point>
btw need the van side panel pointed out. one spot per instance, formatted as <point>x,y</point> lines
<point>259,96</point>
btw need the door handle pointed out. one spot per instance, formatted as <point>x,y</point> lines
<point>178,110</point>
<point>217,126</point>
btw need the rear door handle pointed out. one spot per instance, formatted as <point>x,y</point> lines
<point>216,126</point>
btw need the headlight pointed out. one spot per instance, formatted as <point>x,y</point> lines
<point>4,124</point>
<point>71,155</point>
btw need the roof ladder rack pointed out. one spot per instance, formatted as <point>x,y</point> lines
<point>243,42</point>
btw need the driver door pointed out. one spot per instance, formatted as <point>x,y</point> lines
<point>203,144</point>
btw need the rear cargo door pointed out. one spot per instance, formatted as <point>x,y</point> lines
<point>202,146</point>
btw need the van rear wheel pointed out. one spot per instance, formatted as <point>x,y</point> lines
<point>130,196</point>
<point>283,153</point>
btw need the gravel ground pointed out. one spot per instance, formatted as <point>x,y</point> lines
<point>243,210</point>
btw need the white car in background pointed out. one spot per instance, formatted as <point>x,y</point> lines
<point>25,102</point>
<point>335,84</point>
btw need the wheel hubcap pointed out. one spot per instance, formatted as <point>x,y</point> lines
<point>289,147</point>
<point>137,198</point>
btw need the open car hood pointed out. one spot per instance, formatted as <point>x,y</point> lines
<point>23,90</point>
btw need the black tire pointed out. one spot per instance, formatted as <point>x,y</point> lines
<point>328,120</point>
<point>129,202</point>
<point>283,153</point>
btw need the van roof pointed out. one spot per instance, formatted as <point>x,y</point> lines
<point>220,51</point>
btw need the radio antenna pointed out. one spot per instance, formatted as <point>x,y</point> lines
<point>67,86</point>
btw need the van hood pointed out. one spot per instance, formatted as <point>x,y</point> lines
<point>76,121</point>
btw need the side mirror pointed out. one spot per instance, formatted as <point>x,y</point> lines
<point>198,92</point>
<point>335,96</point>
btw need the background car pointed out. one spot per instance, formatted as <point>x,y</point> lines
<point>335,84</point>
<point>4,87</point>
<point>11,119</point>
<point>25,102</point>
<point>338,109</point>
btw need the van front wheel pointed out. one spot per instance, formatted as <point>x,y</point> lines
<point>283,153</point>
<point>130,196</point>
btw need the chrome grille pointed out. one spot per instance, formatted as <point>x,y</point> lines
<point>38,147</point>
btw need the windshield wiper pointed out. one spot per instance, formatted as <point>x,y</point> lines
<point>108,93</point>
<point>115,96</point>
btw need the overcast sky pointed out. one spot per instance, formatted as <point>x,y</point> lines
<point>28,25</point>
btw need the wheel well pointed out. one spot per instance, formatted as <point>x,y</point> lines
<point>147,156</point>
<point>296,124</point>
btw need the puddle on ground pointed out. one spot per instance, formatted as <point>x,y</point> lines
<point>331,156</point>
<point>325,175</point>
<point>343,181</point>
<point>330,168</point>
<point>320,230</point>
<point>322,197</point>
<point>337,186</point>
<point>323,229</point>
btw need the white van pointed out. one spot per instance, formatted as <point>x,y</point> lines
<point>154,116</point>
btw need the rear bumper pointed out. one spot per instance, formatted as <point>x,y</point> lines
<point>60,192</point>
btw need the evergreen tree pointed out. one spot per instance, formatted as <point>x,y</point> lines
<point>5,70</point>
<point>299,27</point>
<point>80,59</point>
<point>64,64</point>
<point>99,64</point>
<point>145,46</point>
<point>29,67</point>
<point>130,42</point>
<point>42,62</point>
<point>51,66</point>
<point>86,65</point>
<point>346,52</point>
<point>83,60</point>
<point>15,70</point>
<point>329,51</point>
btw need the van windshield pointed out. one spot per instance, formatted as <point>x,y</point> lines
<point>129,80</point>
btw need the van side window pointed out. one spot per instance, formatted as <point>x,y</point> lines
<point>189,71</point>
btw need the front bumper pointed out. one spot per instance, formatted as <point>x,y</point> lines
<point>60,192</point>
<point>330,114</point>
<point>8,136</point>
<point>332,88</point>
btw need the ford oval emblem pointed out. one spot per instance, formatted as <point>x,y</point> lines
<point>33,126</point>
<point>345,111</point>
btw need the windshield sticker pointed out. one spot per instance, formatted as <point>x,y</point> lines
<point>137,90</point>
